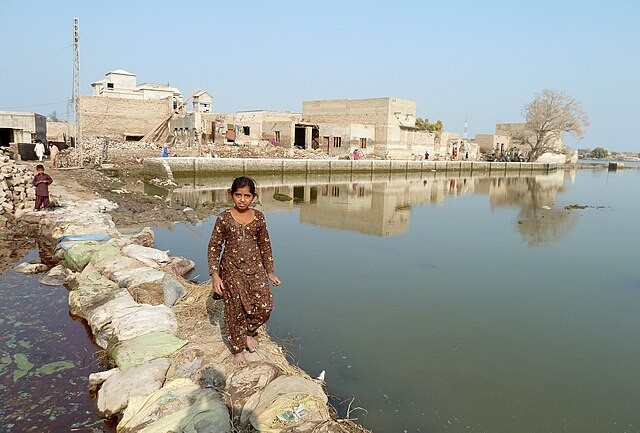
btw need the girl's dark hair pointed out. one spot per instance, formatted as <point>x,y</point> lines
<point>241,182</point>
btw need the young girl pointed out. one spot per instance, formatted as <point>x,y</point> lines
<point>242,276</point>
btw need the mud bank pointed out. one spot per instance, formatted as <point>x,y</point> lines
<point>165,336</point>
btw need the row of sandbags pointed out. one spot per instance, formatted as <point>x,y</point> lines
<point>150,391</point>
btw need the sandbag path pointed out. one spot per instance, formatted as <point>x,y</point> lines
<point>165,335</point>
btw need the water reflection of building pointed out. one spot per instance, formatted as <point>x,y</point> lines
<point>380,205</point>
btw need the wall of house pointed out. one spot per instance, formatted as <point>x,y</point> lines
<point>286,129</point>
<point>389,116</point>
<point>495,142</point>
<point>26,126</point>
<point>364,111</point>
<point>116,117</point>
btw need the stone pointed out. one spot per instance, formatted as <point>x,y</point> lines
<point>31,268</point>
<point>56,276</point>
<point>141,380</point>
<point>181,266</point>
<point>172,290</point>
<point>96,379</point>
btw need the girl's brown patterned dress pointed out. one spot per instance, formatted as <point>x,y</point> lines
<point>246,260</point>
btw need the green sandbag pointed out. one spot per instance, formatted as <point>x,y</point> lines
<point>78,256</point>
<point>146,347</point>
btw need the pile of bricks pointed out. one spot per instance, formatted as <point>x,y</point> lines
<point>15,183</point>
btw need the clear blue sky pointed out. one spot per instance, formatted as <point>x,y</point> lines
<point>476,60</point>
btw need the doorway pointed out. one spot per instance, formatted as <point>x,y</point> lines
<point>6,136</point>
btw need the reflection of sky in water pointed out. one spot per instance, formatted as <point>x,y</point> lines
<point>45,360</point>
<point>487,312</point>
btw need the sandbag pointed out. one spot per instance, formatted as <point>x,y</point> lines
<point>143,348</point>
<point>134,277</point>
<point>115,392</point>
<point>78,256</point>
<point>137,320</point>
<point>88,290</point>
<point>269,411</point>
<point>149,256</point>
<point>179,406</point>
<point>103,314</point>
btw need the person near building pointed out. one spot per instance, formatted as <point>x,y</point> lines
<point>39,150</point>
<point>53,153</point>
<point>41,181</point>
<point>241,266</point>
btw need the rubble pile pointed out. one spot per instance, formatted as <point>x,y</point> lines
<point>264,150</point>
<point>15,183</point>
<point>99,150</point>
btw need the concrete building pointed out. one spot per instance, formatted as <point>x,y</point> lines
<point>121,109</point>
<point>283,128</point>
<point>191,128</point>
<point>392,120</point>
<point>496,142</point>
<point>20,127</point>
<point>122,84</point>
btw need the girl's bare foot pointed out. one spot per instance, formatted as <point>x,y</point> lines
<point>252,343</point>
<point>238,359</point>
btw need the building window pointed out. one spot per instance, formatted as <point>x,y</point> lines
<point>363,143</point>
<point>110,86</point>
<point>337,141</point>
<point>246,130</point>
<point>278,136</point>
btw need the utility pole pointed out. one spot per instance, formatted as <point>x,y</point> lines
<point>76,91</point>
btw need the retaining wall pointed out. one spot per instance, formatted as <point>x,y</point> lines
<point>168,168</point>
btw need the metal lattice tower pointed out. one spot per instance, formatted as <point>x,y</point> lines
<point>76,91</point>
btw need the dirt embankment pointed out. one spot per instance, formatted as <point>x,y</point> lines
<point>122,183</point>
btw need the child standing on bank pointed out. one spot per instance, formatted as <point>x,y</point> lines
<point>241,277</point>
<point>41,181</point>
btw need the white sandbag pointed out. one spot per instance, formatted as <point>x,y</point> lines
<point>138,320</point>
<point>109,265</point>
<point>271,410</point>
<point>141,380</point>
<point>179,406</point>
<point>248,380</point>
<point>102,315</point>
<point>144,348</point>
<point>134,277</point>
<point>88,290</point>
<point>149,256</point>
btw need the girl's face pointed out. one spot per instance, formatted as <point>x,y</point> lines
<point>242,198</point>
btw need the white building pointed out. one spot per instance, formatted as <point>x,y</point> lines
<point>122,84</point>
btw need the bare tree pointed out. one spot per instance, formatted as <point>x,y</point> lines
<point>549,115</point>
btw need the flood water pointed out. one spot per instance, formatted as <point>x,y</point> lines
<point>446,302</point>
<point>45,360</point>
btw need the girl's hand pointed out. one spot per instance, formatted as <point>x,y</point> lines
<point>218,287</point>
<point>275,280</point>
